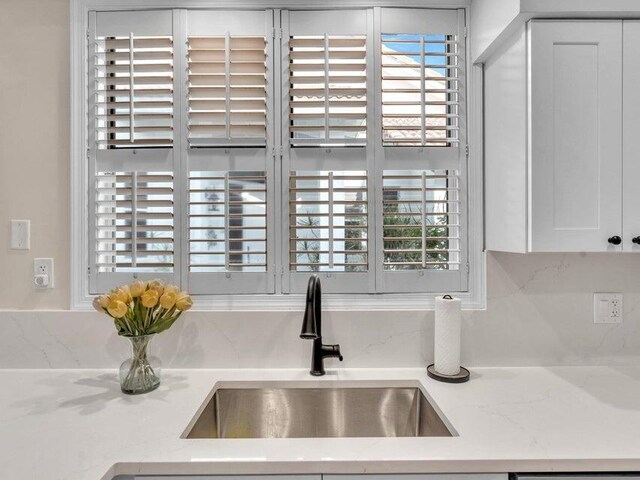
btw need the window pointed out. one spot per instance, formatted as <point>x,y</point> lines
<point>236,152</point>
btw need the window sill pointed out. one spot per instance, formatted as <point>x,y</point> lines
<point>330,302</point>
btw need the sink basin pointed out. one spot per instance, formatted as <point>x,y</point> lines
<point>324,409</point>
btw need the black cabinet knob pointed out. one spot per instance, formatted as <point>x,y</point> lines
<point>615,240</point>
<point>636,240</point>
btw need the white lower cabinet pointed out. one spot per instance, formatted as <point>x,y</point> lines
<point>421,476</point>
<point>452,476</point>
<point>220,477</point>
<point>575,476</point>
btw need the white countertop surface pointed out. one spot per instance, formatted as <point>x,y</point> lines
<point>76,424</point>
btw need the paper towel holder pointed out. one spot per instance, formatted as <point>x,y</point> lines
<point>461,377</point>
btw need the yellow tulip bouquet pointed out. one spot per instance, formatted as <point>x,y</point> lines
<point>139,311</point>
<point>143,308</point>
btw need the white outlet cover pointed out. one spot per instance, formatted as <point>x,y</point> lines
<point>608,307</point>
<point>43,272</point>
<point>20,234</point>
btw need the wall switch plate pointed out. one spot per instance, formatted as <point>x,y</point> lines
<point>43,272</point>
<point>607,308</point>
<point>20,234</point>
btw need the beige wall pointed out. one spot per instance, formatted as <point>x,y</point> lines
<point>34,146</point>
<point>34,184</point>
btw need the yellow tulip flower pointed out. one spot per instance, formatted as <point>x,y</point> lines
<point>104,301</point>
<point>137,288</point>
<point>157,285</point>
<point>122,294</point>
<point>117,309</point>
<point>96,305</point>
<point>150,298</point>
<point>184,302</point>
<point>168,299</point>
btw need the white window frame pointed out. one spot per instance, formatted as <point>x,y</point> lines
<point>473,299</point>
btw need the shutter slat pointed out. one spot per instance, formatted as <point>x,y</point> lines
<point>139,43</point>
<point>138,80</point>
<point>234,105</point>
<point>141,68</point>
<point>139,55</point>
<point>296,104</point>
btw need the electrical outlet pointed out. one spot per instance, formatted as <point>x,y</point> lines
<point>43,272</point>
<point>20,234</point>
<point>607,308</point>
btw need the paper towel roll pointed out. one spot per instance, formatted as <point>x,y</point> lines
<point>447,336</point>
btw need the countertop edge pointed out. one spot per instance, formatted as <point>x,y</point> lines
<point>351,467</point>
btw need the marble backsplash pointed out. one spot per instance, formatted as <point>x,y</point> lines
<point>539,312</point>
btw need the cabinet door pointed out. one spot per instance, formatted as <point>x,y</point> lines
<point>221,477</point>
<point>421,476</point>
<point>575,135</point>
<point>631,135</point>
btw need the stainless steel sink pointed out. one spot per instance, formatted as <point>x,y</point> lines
<point>281,410</point>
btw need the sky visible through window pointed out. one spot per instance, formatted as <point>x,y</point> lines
<point>405,42</point>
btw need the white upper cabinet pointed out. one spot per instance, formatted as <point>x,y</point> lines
<point>554,139</point>
<point>576,134</point>
<point>631,136</point>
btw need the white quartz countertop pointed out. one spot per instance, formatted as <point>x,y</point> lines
<point>75,424</point>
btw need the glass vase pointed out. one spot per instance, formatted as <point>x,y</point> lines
<point>140,373</point>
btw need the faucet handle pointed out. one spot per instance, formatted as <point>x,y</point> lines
<point>336,349</point>
<point>332,351</point>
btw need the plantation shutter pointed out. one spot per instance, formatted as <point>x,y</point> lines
<point>229,58</point>
<point>331,140</point>
<point>131,136</point>
<point>328,97</point>
<point>421,157</point>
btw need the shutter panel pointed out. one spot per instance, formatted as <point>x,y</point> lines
<point>328,89</point>
<point>227,227</point>
<point>227,90</point>
<point>133,90</point>
<point>328,100</point>
<point>134,221</point>
<point>422,75</point>
<point>230,139</point>
<point>421,225</point>
<point>131,111</point>
<point>420,90</point>
<point>421,219</point>
<point>328,221</point>
<point>422,231</point>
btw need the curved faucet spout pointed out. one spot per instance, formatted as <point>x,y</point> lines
<point>312,321</point>
<point>312,328</point>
